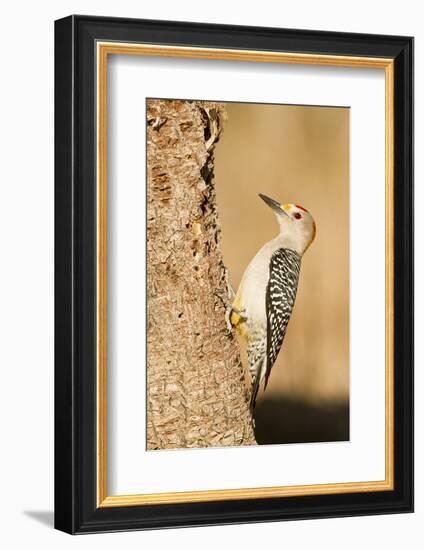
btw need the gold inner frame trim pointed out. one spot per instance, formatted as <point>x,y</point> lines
<point>103,49</point>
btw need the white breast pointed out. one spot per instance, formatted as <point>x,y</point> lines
<point>252,290</point>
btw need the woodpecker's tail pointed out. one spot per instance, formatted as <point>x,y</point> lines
<point>254,394</point>
<point>256,383</point>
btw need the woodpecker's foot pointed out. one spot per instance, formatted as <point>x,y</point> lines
<point>230,309</point>
<point>241,314</point>
<point>228,312</point>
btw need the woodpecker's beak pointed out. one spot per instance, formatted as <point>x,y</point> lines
<point>276,206</point>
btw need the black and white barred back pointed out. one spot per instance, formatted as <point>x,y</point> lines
<point>281,291</point>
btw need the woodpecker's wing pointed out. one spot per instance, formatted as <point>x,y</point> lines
<point>281,291</point>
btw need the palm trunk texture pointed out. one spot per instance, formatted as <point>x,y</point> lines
<point>196,390</point>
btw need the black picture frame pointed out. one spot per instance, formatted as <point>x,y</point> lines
<point>76,510</point>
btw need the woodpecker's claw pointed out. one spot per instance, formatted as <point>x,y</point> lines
<point>241,313</point>
<point>229,308</point>
<point>228,312</point>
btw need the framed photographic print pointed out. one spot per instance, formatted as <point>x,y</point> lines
<point>234,274</point>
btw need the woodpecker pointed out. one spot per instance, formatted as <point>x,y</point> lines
<point>265,298</point>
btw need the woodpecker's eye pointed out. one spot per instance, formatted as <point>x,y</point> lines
<point>297,215</point>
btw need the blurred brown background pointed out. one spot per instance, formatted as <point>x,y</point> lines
<point>294,154</point>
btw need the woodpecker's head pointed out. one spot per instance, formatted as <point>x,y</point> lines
<point>297,226</point>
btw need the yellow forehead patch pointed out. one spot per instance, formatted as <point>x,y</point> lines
<point>286,206</point>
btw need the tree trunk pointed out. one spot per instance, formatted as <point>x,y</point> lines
<point>196,391</point>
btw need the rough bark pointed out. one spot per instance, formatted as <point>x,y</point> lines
<point>196,392</point>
